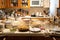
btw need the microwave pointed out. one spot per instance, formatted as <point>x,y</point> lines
<point>35,3</point>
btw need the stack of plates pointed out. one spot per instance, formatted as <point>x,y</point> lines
<point>35,30</point>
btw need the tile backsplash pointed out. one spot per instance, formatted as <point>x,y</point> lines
<point>38,9</point>
<point>31,10</point>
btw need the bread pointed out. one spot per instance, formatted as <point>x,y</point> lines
<point>23,26</point>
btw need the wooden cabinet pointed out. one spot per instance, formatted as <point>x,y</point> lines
<point>14,3</point>
<point>28,38</point>
<point>2,3</point>
<point>57,38</point>
<point>59,3</point>
<point>6,3</point>
<point>2,37</point>
<point>46,3</point>
<point>41,38</point>
<point>17,38</point>
<point>25,3</point>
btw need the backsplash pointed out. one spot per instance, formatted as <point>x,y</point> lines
<point>31,10</point>
<point>37,9</point>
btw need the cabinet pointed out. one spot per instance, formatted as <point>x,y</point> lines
<point>18,3</point>
<point>14,3</point>
<point>46,3</point>
<point>57,3</point>
<point>28,38</point>
<point>41,3</point>
<point>6,3</point>
<point>1,38</point>
<point>57,38</point>
<point>17,38</point>
<point>41,38</point>
<point>25,3</point>
<point>2,3</point>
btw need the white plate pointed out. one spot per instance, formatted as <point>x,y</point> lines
<point>34,29</point>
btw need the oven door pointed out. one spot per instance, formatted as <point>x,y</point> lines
<point>35,3</point>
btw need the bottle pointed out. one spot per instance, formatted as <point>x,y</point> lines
<point>40,14</point>
<point>37,14</point>
<point>33,15</point>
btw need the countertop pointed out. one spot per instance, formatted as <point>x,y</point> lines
<point>29,34</point>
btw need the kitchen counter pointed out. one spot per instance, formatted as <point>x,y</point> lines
<point>29,34</point>
<point>22,34</point>
<point>35,17</point>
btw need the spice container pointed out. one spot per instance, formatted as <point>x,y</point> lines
<point>8,24</point>
<point>2,26</point>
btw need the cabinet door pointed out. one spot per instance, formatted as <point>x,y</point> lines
<point>19,4</point>
<point>7,3</point>
<point>3,3</point>
<point>14,3</point>
<point>41,3</point>
<point>40,38</point>
<point>17,38</point>
<point>25,3</point>
<point>46,3</point>
<point>0,3</point>
<point>57,3</point>
<point>1,38</point>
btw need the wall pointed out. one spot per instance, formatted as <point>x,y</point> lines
<point>37,9</point>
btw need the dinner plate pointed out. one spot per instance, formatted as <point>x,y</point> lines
<point>35,30</point>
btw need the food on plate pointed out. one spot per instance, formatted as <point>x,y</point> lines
<point>23,26</point>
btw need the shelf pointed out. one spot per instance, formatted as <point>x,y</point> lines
<point>25,4</point>
<point>35,17</point>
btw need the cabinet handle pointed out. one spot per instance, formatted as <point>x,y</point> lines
<point>54,38</point>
